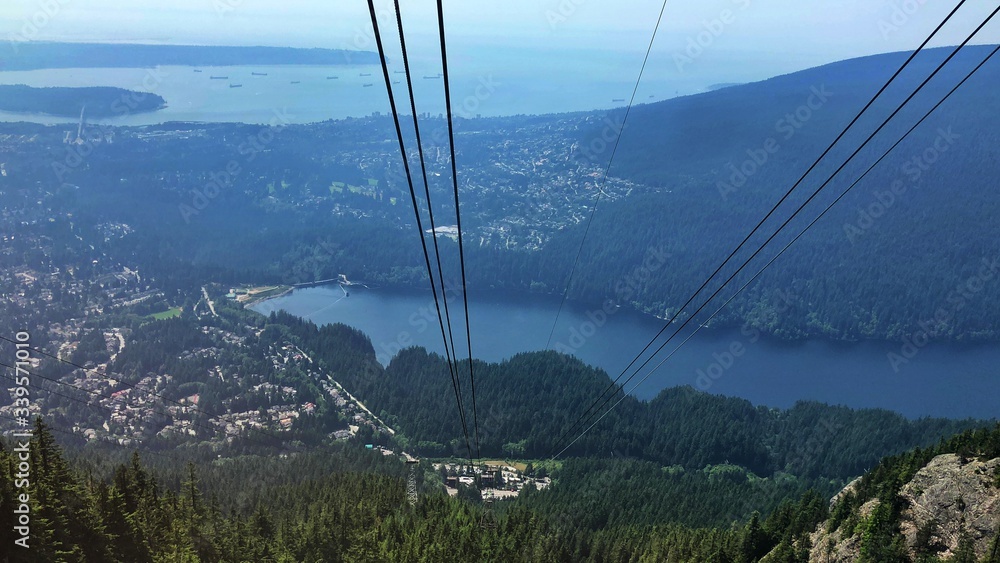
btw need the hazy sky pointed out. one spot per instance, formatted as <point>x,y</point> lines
<point>772,35</point>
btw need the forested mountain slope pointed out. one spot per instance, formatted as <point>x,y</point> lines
<point>914,240</point>
<point>527,403</point>
<point>348,504</point>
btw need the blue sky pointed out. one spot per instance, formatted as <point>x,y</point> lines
<point>771,36</point>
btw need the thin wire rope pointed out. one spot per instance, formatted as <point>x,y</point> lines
<point>427,191</point>
<point>782,251</point>
<point>416,212</point>
<point>458,213</point>
<point>806,202</point>
<point>51,391</point>
<point>604,178</point>
<point>673,318</point>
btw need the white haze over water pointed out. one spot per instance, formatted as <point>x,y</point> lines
<point>542,56</point>
<point>484,82</point>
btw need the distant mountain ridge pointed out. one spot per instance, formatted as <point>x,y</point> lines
<point>37,55</point>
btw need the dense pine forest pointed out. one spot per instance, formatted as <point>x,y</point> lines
<point>350,505</point>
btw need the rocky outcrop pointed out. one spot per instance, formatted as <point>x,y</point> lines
<point>838,546</point>
<point>946,499</point>
<point>951,496</point>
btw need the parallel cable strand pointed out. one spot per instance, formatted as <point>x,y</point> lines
<point>808,200</point>
<point>673,318</point>
<point>604,178</point>
<point>458,212</point>
<point>427,191</point>
<point>416,212</point>
<point>783,249</point>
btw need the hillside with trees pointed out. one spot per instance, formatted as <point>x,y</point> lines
<point>350,505</point>
<point>904,246</point>
<point>69,102</point>
<point>530,402</point>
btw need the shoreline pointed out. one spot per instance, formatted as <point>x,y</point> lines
<point>777,364</point>
<point>715,326</point>
<point>266,295</point>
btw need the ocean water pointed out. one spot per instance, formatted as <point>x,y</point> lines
<point>487,82</point>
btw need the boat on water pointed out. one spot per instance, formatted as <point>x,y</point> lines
<point>367,85</point>
<point>258,74</point>
<point>196,70</point>
<point>332,77</point>
<point>296,81</point>
<point>218,77</point>
<point>365,74</point>
<point>618,100</point>
<point>235,85</point>
<point>435,77</point>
